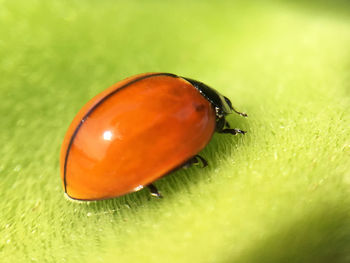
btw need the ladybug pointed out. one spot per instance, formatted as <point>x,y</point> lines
<point>138,130</point>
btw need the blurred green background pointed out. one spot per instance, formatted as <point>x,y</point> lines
<point>278,194</point>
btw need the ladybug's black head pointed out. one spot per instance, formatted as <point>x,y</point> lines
<point>222,105</point>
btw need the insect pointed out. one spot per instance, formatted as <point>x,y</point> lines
<point>138,130</point>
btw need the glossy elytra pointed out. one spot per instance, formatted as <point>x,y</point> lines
<point>137,131</point>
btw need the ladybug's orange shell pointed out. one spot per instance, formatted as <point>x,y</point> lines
<point>131,134</point>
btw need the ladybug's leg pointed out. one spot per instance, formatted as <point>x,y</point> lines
<point>222,123</point>
<point>195,161</point>
<point>203,161</point>
<point>240,113</point>
<point>154,191</point>
<point>233,131</point>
